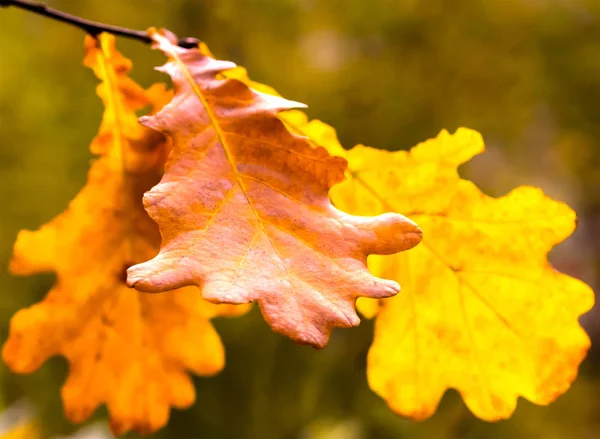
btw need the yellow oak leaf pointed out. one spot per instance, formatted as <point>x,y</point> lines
<point>482,310</point>
<point>482,303</point>
<point>243,208</point>
<point>129,350</point>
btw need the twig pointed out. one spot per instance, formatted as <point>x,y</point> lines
<point>91,27</point>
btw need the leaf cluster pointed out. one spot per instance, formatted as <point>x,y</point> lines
<point>252,201</point>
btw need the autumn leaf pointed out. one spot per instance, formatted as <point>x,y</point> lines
<point>243,208</point>
<point>482,310</point>
<point>126,349</point>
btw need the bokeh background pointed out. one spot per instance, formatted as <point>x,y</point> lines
<point>525,73</point>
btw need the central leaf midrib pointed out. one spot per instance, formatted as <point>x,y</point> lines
<point>117,130</point>
<point>230,157</point>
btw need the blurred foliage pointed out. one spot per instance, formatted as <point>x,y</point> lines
<point>386,73</point>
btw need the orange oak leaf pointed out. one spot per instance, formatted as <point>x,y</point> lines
<point>482,310</point>
<point>129,350</point>
<point>243,208</point>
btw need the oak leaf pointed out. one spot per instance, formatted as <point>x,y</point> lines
<point>482,310</point>
<point>124,348</point>
<point>243,208</point>
<point>495,320</point>
<point>482,303</point>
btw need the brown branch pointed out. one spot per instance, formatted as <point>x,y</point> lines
<point>93,28</point>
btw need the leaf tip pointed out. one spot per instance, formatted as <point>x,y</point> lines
<point>158,275</point>
<point>392,233</point>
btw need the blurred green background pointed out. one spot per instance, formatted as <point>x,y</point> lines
<point>525,73</point>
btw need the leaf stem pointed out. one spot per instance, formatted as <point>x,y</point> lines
<point>93,28</point>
